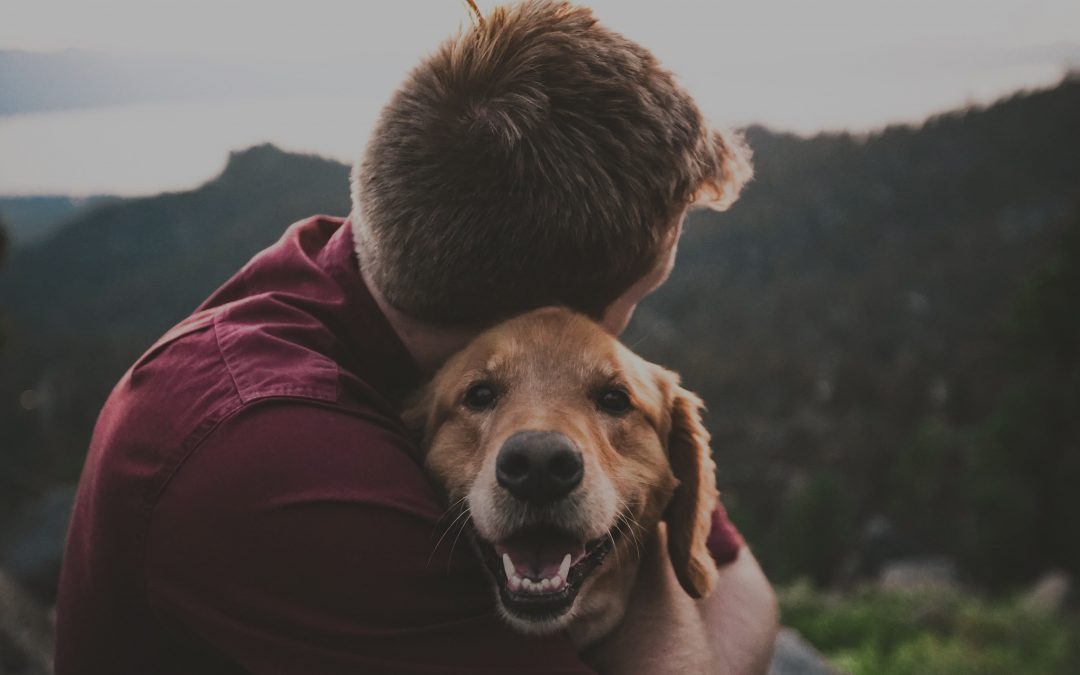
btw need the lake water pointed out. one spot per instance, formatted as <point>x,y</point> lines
<point>145,149</point>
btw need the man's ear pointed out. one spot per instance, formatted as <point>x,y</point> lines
<point>689,515</point>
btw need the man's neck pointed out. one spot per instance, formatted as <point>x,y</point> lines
<point>429,344</point>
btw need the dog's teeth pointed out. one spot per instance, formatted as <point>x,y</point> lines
<point>519,583</point>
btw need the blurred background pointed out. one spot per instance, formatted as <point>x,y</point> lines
<point>885,328</point>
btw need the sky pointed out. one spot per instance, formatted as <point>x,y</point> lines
<point>800,66</point>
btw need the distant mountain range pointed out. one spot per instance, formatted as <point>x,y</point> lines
<point>855,297</point>
<point>178,246</point>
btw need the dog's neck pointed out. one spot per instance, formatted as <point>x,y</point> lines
<point>429,344</point>
<point>604,607</point>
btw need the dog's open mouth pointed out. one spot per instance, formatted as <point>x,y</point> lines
<point>539,570</point>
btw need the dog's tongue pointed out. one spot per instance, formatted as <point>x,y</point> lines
<point>538,554</point>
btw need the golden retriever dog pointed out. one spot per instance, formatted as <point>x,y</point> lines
<point>566,450</point>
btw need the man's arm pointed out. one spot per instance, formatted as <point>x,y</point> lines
<point>730,632</point>
<point>741,618</point>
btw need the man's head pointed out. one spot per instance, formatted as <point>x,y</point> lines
<point>538,159</point>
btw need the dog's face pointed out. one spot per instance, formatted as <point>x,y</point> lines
<point>567,449</point>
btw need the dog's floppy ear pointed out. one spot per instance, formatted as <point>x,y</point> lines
<point>689,515</point>
<point>417,413</point>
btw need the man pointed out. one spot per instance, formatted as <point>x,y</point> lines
<point>251,503</point>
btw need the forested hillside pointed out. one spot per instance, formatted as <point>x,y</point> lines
<point>855,324</point>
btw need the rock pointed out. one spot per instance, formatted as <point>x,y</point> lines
<point>793,655</point>
<point>911,574</point>
<point>1050,594</point>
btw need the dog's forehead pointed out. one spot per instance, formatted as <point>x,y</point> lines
<point>550,344</point>
<point>553,338</point>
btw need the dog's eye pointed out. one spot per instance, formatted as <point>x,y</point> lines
<point>480,397</point>
<point>614,401</point>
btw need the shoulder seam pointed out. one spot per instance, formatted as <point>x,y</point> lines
<point>224,360</point>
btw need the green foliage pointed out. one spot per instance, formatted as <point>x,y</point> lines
<point>925,482</point>
<point>816,528</point>
<point>872,632</point>
<point>1046,324</point>
<point>1024,473</point>
<point>1007,482</point>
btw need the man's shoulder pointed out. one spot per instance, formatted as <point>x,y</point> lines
<point>282,473</point>
<point>297,321</point>
<point>242,399</point>
<point>213,373</point>
<point>315,449</point>
<point>208,367</point>
<point>224,358</point>
<point>271,349</point>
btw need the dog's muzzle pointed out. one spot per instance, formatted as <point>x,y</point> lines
<point>540,566</point>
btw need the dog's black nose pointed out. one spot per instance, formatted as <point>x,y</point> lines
<point>539,467</point>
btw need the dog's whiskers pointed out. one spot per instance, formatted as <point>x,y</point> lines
<point>461,529</point>
<point>630,529</point>
<point>618,559</point>
<point>647,334</point>
<point>450,509</point>
<point>464,512</point>
<point>636,527</point>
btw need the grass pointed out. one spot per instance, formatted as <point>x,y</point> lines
<point>932,632</point>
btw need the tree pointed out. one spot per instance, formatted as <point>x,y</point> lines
<point>1022,482</point>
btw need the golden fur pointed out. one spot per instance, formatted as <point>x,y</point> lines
<point>650,464</point>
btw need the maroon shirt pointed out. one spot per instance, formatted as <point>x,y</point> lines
<point>251,503</point>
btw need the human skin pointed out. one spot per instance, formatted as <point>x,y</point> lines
<point>431,345</point>
<point>731,631</point>
<point>665,631</point>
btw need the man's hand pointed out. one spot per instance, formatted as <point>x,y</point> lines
<point>665,631</point>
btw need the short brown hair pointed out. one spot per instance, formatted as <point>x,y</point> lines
<point>535,159</point>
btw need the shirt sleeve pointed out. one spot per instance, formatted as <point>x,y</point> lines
<point>305,540</point>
